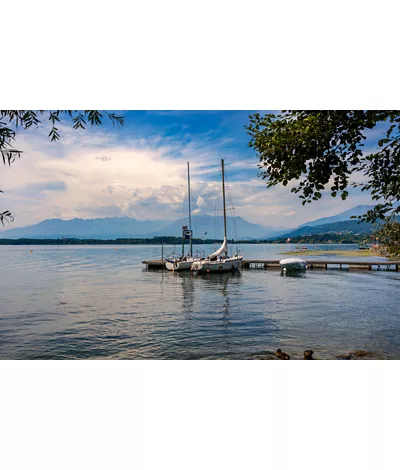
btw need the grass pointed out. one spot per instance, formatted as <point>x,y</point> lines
<point>348,253</point>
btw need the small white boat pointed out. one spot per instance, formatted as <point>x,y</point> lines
<point>293,264</point>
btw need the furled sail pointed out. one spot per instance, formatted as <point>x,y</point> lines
<point>222,249</point>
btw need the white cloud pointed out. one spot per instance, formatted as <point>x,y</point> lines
<point>142,178</point>
<point>201,202</point>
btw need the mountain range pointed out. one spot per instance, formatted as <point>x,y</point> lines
<point>204,226</point>
<point>346,215</point>
<point>353,226</point>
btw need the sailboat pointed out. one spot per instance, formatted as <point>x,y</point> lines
<point>219,261</point>
<point>184,263</point>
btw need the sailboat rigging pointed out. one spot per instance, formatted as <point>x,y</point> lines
<point>219,261</point>
<point>184,263</point>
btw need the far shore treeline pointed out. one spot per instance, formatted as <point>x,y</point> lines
<point>315,238</point>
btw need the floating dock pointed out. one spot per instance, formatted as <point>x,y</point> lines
<point>311,264</point>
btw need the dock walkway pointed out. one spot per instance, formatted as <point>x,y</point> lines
<point>311,264</point>
<point>325,264</point>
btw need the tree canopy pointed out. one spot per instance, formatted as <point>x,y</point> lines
<point>389,237</point>
<point>321,150</point>
<point>10,121</point>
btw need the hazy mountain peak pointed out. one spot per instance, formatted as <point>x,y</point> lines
<point>342,216</point>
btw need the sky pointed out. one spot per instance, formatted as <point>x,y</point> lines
<point>140,171</point>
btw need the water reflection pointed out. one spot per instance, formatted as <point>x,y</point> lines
<point>299,274</point>
<point>211,308</point>
<point>220,283</point>
<point>188,292</point>
<point>90,302</point>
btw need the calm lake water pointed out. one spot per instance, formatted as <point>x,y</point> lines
<point>98,302</point>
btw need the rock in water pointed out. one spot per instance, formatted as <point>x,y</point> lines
<point>362,353</point>
<point>355,355</point>
<point>344,356</point>
<point>308,354</point>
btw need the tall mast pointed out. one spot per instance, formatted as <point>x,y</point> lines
<point>190,212</point>
<point>223,197</point>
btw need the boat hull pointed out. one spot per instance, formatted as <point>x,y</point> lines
<point>219,266</point>
<point>177,265</point>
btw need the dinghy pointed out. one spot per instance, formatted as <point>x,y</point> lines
<point>293,264</point>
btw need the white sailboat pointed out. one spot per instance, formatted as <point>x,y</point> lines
<point>184,263</point>
<point>219,261</point>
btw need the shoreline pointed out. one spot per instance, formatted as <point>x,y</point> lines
<point>352,253</point>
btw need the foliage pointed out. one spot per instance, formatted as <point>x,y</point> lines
<point>389,238</point>
<point>10,121</point>
<point>326,238</point>
<point>319,149</point>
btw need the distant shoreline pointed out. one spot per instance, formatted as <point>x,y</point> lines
<point>150,241</point>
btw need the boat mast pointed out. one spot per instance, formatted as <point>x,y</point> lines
<point>223,197</point>
<point>190,213</point>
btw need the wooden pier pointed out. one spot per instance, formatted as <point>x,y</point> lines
<point>325,264</point>
<point>154,263</point>
<point>311,264</point>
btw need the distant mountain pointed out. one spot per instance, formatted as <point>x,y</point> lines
<point>346,215</point>
<point>204,226</point>
<point>352,226</point>
<point>207,226</point>
<point>105,228</point>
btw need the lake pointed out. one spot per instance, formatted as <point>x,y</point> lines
<point>99,302</point>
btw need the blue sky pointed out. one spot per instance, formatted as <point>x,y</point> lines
<point>139,170</point>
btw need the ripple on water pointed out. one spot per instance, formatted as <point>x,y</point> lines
<point>97,303</point>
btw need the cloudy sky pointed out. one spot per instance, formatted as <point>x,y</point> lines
<point>139,171</point>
